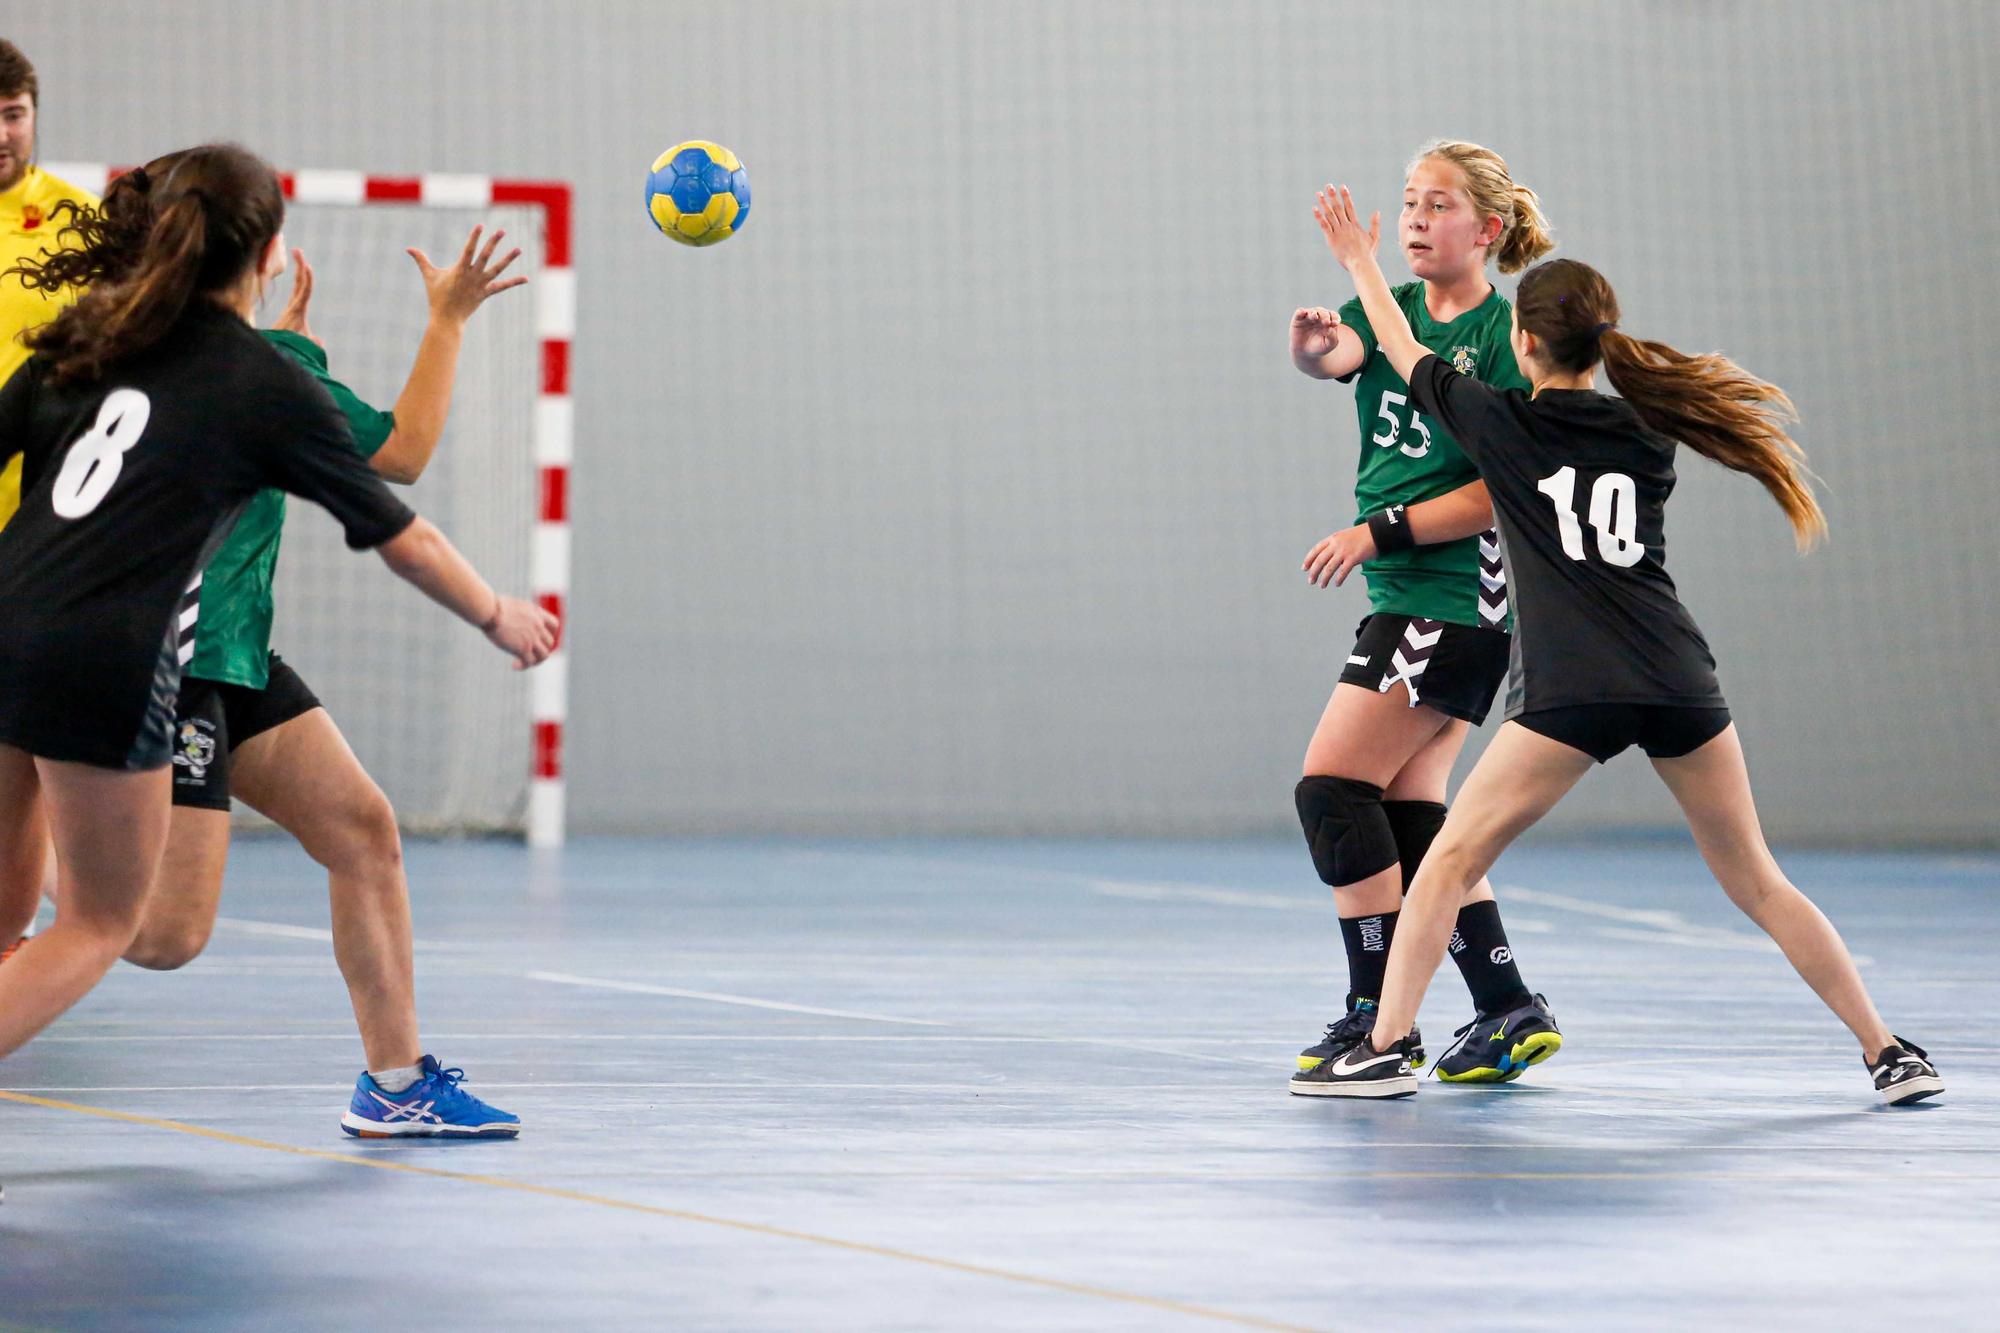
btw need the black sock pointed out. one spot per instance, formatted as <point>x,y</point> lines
<point>1367,939</point>
<point>1479,947</point>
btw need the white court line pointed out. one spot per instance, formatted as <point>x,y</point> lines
<point>1673,927</point>
<point>716,997</point>
<point>318,934</point>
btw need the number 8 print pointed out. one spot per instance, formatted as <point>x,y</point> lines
<point>95,460</point>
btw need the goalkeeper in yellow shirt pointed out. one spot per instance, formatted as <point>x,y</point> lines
<point>29,225</point>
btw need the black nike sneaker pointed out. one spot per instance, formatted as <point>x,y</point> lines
<point>1357,1022</point>
<point>1359,1070</point>
<point>1903,1072</point>
<point>1498,1048</point>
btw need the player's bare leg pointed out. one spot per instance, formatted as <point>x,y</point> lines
<point>1425,776</point>
<point>1370,739</point>
<point>180,914</point>
<point>109,829</point>
<point>1713,787</point>
<point>24,851</point>
<point>302,775</point>
<point>1517,781</point>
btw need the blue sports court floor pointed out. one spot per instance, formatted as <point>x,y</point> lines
<point>1009,1085</point>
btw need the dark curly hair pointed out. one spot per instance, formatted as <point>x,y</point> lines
<point>186,224</point>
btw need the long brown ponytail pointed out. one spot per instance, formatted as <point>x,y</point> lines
<point>193,231</point>
<point>1707,402</point>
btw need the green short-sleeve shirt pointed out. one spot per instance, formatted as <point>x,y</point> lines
<point>1407,457</point>
<point>232,642</point>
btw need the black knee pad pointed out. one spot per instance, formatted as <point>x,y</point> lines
<point>1416,825</point>
<point>1349,835</point>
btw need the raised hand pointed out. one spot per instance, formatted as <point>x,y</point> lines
<point>1338,222</point>
<point>293,317</point>
<point>457,291</point>
<point>1315,330</point>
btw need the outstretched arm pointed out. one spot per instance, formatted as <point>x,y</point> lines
<point>1354,247</point>
<point>425,557</point>
<point>454,293</point>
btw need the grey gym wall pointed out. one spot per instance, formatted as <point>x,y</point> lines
<point>967,489</point>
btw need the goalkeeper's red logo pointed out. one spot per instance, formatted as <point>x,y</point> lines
<point>31,217</point>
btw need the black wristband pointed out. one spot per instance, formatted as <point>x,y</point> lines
<point>1391,530</point>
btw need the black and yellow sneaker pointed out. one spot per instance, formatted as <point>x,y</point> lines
<point>1498,1048</point>
<point>1903,1072</point>
<point>1357,1022</point>
<point>1359,1070</point>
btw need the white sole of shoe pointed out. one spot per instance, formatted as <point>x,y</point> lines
<point>1380,1087</point>
<point>376,1129</point>
<point>1914,1089</point>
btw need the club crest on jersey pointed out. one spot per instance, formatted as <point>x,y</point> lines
<point>31,216</point>
<point>194,748</point>
<point>1465,360</point>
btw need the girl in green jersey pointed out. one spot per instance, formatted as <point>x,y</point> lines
<point>247,725</point>
<point>1430,656</point>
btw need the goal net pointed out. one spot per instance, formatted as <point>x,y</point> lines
<point>459,740</point>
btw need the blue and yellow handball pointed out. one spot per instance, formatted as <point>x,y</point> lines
<point>698,193</point>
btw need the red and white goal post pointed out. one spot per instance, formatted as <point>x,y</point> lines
<point>433,713</point>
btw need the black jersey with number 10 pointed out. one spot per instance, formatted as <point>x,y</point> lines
<point>129,483</point>
<point>1580,486</point>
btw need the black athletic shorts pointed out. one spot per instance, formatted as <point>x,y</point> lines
<point>1663,731</point>
<point>214,718</point>
<point>1455,669</point>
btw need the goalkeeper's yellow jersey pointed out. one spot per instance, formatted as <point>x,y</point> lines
<point>26,229</point>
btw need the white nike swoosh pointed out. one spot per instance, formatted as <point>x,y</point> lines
<point>1347,1061</point>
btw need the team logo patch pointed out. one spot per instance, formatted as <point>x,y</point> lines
<point>1465,360</point>
<point>194,747</point>
<point>31,217</point>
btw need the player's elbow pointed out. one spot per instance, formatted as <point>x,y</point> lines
<point>398,460</point>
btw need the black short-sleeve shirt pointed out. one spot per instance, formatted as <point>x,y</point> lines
<point>1579,486</point>
<point>129,483</point>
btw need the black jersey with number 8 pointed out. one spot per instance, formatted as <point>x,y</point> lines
<point>1579,485</point>
<point>128,485</point>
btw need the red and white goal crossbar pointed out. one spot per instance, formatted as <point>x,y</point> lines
<point>554,427</point>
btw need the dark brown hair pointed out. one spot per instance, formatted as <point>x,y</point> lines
<point>100,244</point>
<point>159,242</point>
<point>17,75</point>
<point>1707,402</point>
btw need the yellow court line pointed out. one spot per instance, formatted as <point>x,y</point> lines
<point>627,1205</point>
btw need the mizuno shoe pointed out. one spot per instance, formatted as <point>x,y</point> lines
<point>1361,1071</point>
<point>435,1105</point>
<point>1355,1023</point>
<point>1904,1073</point>
<point>1498,1048</point>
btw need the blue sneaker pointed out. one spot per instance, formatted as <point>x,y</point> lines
<point>1498,1048</point>
<point>435,1105</point>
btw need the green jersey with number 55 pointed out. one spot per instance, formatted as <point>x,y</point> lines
<point>1407,457</point>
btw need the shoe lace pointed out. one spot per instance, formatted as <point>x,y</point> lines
<point>1457,1040</point>
<point>1351,1024</point>
<point>445,1083</point>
